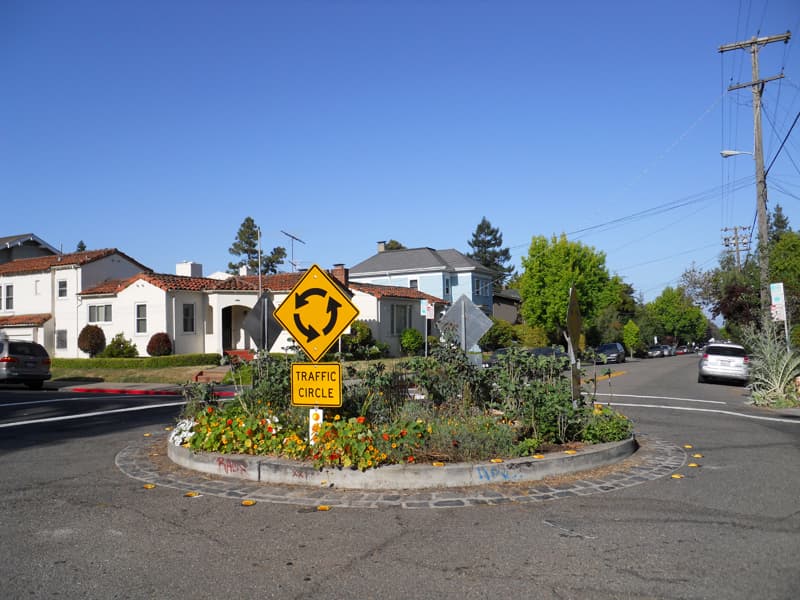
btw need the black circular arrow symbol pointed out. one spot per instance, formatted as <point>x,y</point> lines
<point>333,307</point>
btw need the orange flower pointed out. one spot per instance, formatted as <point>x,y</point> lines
<point>403,433</point>
<point>210,410</point>
<point>386,437</point>
<point>229,422</point>
<point>411,459</point>
<point>360,420</point>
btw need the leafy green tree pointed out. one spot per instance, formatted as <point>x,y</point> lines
<point>393,245</point>
<point>246,248</point>
<point>784,267</point>
<point>487,249</point>
<point>81,247</point>
<point>677,316</point>
<point>550,269</point>
<point>630,337</point>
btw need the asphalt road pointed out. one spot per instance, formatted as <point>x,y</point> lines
<point>74,526</point>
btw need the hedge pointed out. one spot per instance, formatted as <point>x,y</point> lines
<point>150,362</point>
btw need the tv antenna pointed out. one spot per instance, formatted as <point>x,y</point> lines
<point>294,239</point>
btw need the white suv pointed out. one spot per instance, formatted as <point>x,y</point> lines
<point>724,361</point>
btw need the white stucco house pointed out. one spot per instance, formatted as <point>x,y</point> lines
<point>50,298</point>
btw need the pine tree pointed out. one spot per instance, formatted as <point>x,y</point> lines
<point>81,247</point>
<point>246,247</point>
<point>486,244</point>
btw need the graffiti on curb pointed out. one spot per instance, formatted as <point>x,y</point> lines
<point>231,466</point>
<point>496,473</point>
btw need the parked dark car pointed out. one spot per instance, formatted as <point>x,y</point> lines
<point>24,362</point>
<point>612,352</point>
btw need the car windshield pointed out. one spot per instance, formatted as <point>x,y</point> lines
<point>726,351</point>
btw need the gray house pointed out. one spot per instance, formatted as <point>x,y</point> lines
<point>445,274</point>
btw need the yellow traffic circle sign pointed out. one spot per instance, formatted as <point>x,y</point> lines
<point>316,312</point>
<point>316,384</point>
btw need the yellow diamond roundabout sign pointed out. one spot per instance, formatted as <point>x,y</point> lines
<point>316,312</point>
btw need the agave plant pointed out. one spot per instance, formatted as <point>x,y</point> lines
<point>773,367</point>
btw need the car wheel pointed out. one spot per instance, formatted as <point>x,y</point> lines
<point>700,378</point>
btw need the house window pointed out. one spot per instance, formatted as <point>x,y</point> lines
<point>9,304</point>
<point>100,313</point>
<point>446,286</point>
<point>61,339</point>
<point>481,287</point>
<point>412,284</point>
<point>401,318</point>
<point>141,318</point>
<point>62,288</point>
<point>188,318</point>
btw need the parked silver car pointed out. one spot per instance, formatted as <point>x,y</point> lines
<point>23,362</point>
<point>726,361</point>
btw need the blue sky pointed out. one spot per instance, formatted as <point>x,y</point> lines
<point>157,127</point>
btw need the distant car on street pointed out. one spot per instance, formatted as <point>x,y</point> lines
<point>655,351</point>
<point>25,362</point>
<point>682,350</point>
<point>612,352</point>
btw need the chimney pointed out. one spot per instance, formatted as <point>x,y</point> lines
<point>189,269</point>
<point>244,270</point>
<point>382,246</point>
<point>340,273</point>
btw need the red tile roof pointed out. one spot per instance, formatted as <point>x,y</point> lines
<point>277,283</point>
<point>393,291</point>
<point>38,264</point>
<point>34,320</point>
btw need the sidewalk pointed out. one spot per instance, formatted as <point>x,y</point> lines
<point>144,389</point>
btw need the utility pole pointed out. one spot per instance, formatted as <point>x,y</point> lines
<point>737,242</point>
<point>757,87</point>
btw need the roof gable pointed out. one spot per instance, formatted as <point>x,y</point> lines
<point>415,260</point>
<point>39,264</point>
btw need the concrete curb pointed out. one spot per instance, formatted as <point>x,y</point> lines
<point>402,477</point>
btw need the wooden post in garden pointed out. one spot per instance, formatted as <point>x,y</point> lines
<point>573,336</point>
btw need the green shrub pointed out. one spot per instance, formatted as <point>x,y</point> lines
<point>159,345</point>
<point>411,342</point>
<point>119,347</point>
<point>500,335</point>
<point>92,340</point>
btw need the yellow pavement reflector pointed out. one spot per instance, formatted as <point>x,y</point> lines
<point>677,476</point>
<point>192,494</point>
<point>697,456</point>
<point>688,446</point>
<point>496,460</point>
<point>248,502</point>
<point>438,464</point>
<point>149,486</point>
<point>538,456</point>
<point>323,507</point>
<point>692,465</point>
<point>167,428</point>
<point>147,434</point>
<point>570,451</point>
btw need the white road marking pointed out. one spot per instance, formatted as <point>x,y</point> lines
<point>662,398</point>
<point>98,413</point>
<point>711,410</point>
